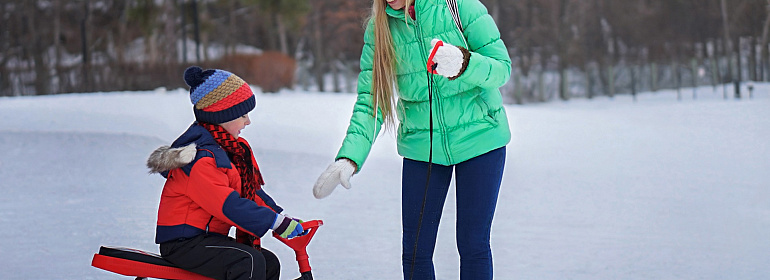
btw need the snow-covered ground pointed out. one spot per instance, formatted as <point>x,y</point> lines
<point>593,189</point>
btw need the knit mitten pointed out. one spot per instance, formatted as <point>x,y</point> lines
<point>286,227</point>
<point>447,60</point>
<point>292,217</point>
<point>337,173</point>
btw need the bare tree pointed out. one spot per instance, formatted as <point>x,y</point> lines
<point>560,48</point>
<point>763,44</point>
<point>729,47</point>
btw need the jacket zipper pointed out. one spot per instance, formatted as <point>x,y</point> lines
<point>439,110</point>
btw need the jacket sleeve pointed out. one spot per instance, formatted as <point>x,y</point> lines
<point>490,64</point>
<point>363,128</point>
<point>209,188</point>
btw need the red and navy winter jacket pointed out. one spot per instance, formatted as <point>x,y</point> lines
<point>202,191</point>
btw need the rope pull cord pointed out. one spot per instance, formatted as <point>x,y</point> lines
<point>431,70</point>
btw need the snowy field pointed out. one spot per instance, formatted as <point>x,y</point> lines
<point>593,189</point>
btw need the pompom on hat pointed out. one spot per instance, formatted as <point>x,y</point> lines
<point>218,96</point>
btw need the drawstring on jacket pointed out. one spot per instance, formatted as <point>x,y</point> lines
<point>207,225</point>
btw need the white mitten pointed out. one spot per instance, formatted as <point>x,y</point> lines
<point>450,61</point>
<point>337,173</point>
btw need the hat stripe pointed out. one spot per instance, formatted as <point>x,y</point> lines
<point>227,114</point>
<point>225,89</point>
<point>212,82</point>
<point>236,97</point>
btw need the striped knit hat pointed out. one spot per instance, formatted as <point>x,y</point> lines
<point>218,96</point>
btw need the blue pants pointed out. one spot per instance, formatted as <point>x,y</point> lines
<point>478,184</point>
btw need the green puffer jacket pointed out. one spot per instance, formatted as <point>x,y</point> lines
<point>468,114</point>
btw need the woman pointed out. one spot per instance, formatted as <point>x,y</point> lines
<point>462,105</point>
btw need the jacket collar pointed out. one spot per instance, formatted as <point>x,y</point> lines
<point>399,14</point>
<point>204,141</point>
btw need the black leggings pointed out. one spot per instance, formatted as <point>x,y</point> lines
<point>221,257</point>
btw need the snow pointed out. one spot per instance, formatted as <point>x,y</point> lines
<point>593,189</point>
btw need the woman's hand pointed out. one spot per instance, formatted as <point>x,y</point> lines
<point>448,60</point>
<point>337,173</point>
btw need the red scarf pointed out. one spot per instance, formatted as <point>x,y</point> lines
<point>239,153</point>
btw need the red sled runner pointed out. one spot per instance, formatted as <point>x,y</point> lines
<point>144,265</point>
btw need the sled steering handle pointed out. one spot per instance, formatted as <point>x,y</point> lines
<point>432,65</point>
<point>299,243</point>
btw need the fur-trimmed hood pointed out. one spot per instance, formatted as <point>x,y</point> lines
<point>166,158</point>
<point>186,150</point>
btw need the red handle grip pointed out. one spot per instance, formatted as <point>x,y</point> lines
<point>431,64</point>
<point>299,243</point>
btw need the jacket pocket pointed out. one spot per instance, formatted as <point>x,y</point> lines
<point>489,114</point>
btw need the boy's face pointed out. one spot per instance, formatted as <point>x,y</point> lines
<point>235,126</point>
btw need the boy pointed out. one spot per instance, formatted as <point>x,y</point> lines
<point>213,183</point>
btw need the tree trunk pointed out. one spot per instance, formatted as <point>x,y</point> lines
<point>562,51</point>
<point>171,55</point>
<point>564,84</point>
<point>728,41</point>
<point>282,34</point>
<point>151,46</point>
<point>677,79</point>
<point>611,80</point>
<point>603,81</point>
<point>336,76</point>
<point>517,88</point>
<point>4,54</point>
<point>590,83</point>
<point>318,51</point>
<point>710,48</point>
<point>230,43</point>
<point>763,46</point>
<point>37,51</point>
<point>205,47</point>
<point>633,81</point>
<point>752,59</point>
<point>654,77</point>
<point>196,30</point>
<point>56,60</point>
<point>541,86</point>
<point>5,83</point>
<point>738,69</point>
<point>694,71</point>
<point>184,33</point>
<point>84,47</point>
<point>120,44</point>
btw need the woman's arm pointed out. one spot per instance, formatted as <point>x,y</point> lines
<point>490,64</point>
<point>363,128</point>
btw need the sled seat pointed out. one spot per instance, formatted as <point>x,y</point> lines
<point>140,264</point>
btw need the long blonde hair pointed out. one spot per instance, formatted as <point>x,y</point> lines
<point>384,64</point>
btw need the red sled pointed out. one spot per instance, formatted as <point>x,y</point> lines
<point>144,265</point>
<point>141,264</point>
